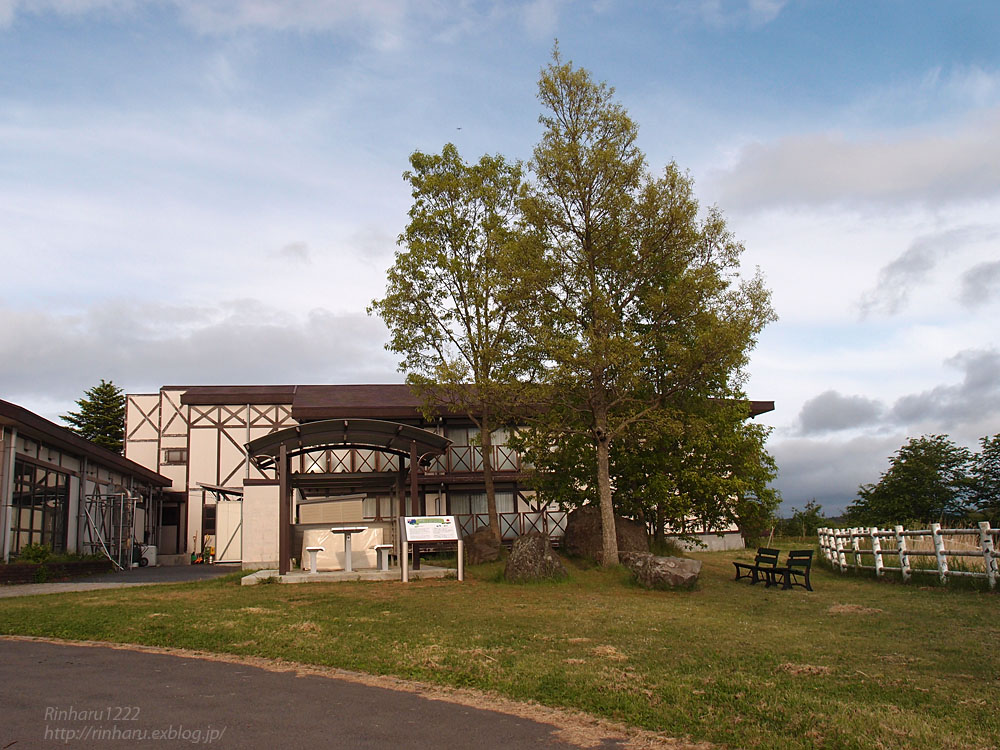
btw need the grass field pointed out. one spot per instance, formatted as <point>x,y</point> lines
<point>855,664</point>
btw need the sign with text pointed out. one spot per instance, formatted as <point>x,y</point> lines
<point>430,528</point>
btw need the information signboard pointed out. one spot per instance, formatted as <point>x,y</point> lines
<point>430,528</point>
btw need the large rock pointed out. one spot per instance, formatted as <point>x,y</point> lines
<point>532,559</point>
<point>583,534</point>
<point>662,572</point>
<point>481,547</point>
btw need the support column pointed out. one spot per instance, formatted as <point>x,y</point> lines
<point>284,512</point>
<point>414,498</point>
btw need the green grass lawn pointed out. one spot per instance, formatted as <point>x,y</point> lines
<point>855,664</point>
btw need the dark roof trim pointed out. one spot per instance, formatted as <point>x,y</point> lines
<point>237,394</point>
<point>395,401</point>
<point>38,428</point>
<point>375,434</point>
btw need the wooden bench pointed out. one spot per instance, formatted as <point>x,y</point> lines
<point>794,573</point>
<point>766,560</point>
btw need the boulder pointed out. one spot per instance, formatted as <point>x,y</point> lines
<point>655,572</point>
<point>481,547</point>
<point>532,559</point>
<point>583,534</point>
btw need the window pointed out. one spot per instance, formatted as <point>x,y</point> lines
<point>175,456</point>
<point>40,505</point>
<point>464,503</point>
<point>208,521</point>
<point>379,507</point>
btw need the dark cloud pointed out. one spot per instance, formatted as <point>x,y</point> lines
<point>949,406</point>
<point>897,278</point>
<point>53,358</point>
<point>830,411</point>
<point>980,284</point>
<point>829,471</point>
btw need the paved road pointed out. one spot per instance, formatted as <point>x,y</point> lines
<point>134,577</point>
<point>95,697</point>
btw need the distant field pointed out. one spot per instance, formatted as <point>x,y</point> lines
<point>855,664</point>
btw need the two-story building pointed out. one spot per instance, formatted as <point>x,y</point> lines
<point>348,451</point>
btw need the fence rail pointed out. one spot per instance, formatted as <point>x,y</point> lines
<point>855,547</point>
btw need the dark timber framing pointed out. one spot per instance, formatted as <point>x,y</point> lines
<point>274,451</point>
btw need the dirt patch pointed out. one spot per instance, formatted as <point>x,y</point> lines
<point>306,627</point>
<point>852,609</point>
<point>808,669</point>
<point>572,727</point>
<point>608,652</point>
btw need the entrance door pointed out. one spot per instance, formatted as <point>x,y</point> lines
<point>229,531</point>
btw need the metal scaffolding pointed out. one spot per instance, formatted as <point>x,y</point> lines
<point>111,526</point>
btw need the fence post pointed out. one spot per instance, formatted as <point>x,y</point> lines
<point>841,557</point>
<point>856,546</point>
<point>990,562</point>
<point>877,551</point>
<point>904,559</point>
<point>942,559</point>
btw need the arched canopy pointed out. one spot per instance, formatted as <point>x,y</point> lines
<point>374,434</point>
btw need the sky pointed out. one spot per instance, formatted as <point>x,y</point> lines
<point>210,191</point>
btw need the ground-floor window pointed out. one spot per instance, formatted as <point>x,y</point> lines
<point>463,503</point>
<point>40,507</point>
<point>379,508</point>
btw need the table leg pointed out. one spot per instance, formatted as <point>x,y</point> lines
<point>347,553</point>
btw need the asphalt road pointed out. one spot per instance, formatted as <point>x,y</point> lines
<point>96,697</point>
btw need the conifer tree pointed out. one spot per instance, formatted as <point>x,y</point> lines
<point>101,418</point>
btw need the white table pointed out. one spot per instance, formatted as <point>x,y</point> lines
<point>347,531</point>
<point>313,552</point>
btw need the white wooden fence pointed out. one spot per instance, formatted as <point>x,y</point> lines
<point>892,550</point>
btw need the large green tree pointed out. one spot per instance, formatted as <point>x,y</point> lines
<point>101,418</point>
<point>927,480</point>
<point>986,478</point>
<point>453,293</point>
<point>636,299</point>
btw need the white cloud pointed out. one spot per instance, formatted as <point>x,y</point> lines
<point>142,345</point>
<point>728,13</point>
<point>908,166</point>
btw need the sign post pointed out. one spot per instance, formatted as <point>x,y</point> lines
<point>428,529</point>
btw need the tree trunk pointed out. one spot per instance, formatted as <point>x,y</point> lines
<point>609,538</point>
<point>486,440</point>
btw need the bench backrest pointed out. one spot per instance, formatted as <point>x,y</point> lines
<point>799,558</point>
<point>767,556</point>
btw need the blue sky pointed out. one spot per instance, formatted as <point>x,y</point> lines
<point>210,191</point>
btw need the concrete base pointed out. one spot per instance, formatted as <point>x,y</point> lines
<point>336,576</point>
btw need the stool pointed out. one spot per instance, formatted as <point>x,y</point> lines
<point>383,550</point>
<point>313,552</point>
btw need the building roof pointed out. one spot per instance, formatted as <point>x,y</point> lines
<point>309,402</point>
<point>38,428</point>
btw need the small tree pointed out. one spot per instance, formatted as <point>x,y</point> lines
<point>636,300</point>
<point>927,480</point>
<point>807,521</point>
<point>101,418</point>
<point>452,294</point>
